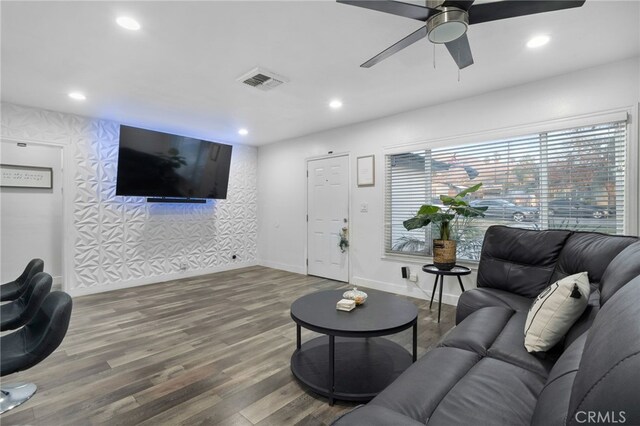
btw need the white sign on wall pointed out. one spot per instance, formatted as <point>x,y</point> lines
<point>366,171</point>
<point>26,176</point>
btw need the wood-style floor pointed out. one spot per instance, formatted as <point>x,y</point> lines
<point>209,350</point>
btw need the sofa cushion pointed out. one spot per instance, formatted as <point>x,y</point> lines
<point>478,298</point>
<point>520,261</point>
<point>554,311</point>
<point>366,415</point>
<point>586,319</point>
<point>509,347</point>
<point>622,269</point>
<point>591,252</point>
<point>480,329</point>
<point>493,392</point>
<point>553,401</point>
<point>419,390</point>
<point>608,380</point>
<point>497,332</point>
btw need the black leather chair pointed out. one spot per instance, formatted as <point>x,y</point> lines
<point>31,344</point>
<point>12,290</point>
<point>18,312</point>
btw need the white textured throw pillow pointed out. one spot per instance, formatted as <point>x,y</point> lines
<point>554,311</point>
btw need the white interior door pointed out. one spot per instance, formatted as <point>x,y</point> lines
<point>328,213</point>
<point>31,218</point>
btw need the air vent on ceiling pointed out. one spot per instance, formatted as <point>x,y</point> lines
<point>262,79</point>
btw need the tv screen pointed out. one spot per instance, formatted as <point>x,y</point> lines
<point>155,164</point>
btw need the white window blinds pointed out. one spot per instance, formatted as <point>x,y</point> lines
<point>408,186</point>
<point>566,179</point>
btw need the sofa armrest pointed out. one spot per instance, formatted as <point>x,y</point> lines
<point>374,415</point>
<point>477,298</point>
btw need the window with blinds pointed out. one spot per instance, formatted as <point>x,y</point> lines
<point>568,179</point>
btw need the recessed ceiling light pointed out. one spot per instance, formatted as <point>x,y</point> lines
<point>243,132</point>
<point>77,96</point>
<point>538,41</point>
<point>335,104</point>
<point>128,23</point>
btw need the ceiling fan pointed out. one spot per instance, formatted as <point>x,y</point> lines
<point>447,21</point>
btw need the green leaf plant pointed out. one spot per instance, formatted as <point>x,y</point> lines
<point>451,218</point>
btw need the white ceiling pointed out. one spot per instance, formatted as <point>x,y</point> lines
<point>178,73</point>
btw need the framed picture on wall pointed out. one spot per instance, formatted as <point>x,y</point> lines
<point>12,176</point>
<point>366,170</point>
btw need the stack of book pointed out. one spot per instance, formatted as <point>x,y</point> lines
<point>345,305</point>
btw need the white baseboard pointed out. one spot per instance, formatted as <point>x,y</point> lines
<point>283,266</point>
<point>411,290</point>
<point>159,279</point>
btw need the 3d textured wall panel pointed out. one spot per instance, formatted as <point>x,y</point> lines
<point>121,239</point>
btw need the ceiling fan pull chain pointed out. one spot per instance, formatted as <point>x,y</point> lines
<point>434,56</point>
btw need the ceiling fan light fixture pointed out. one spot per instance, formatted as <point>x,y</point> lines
<point>449,25</point>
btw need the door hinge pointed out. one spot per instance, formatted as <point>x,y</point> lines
<point>307,262</point>
<point>307,218</point>
<point>307,173</point>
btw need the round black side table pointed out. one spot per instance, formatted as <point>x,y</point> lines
<point>456,271</point>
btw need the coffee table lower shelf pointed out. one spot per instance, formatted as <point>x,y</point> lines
<point>363,367</point>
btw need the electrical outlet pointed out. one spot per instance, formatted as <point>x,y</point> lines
<point>183,266</point>
<point>405,272</point>
<point>413,277</point>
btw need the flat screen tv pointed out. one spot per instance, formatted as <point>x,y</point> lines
<point>155,164</point>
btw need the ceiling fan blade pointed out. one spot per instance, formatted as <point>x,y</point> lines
<point>462,4</point>
<point>460,51</point>
<point>486,12</point>
<point>405,42</point>
<point>399,8</point>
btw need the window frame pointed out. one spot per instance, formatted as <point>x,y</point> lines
<point>630,220</point>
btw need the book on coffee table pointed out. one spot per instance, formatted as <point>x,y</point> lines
<point>345,305</point>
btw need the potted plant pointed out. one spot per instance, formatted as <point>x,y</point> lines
<point>451,219</point>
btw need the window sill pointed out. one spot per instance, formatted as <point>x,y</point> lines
<point>403,258</point>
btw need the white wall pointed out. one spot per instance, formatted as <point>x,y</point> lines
<point>113,242</point>
<point>281,175</point>
<point>31,218</point>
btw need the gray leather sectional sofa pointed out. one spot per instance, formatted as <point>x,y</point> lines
<point>481,374</point>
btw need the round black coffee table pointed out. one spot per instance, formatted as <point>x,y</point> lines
<point>351,362</point>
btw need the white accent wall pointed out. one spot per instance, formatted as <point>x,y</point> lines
<point>281,175</point>
<point>113,242</point>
